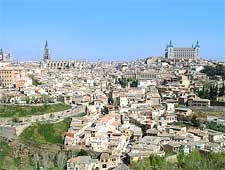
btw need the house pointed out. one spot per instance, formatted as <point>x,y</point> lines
<point>172,147</point>
<point>153,98</point>
<point>212,147</point>
<point>152,132</point>
<point>198,102</point>
<point>108,160</point>
<point>183,111</point>
<point>175,129</point>
<point>171,118</point>
<point>123,101</point>
<point>215,136</point>
<point>137,132</point>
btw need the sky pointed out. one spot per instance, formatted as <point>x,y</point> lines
<point>110,29</point>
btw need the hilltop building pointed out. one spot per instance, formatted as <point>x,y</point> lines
<point>60,64</point>
<point>5,57</point>
<point>186,53</point>
<point>46,56</point>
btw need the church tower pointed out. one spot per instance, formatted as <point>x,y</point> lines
<point>46,56</point>
<point>1,55</point>
<point>169,50</point>
<point>197,50</point>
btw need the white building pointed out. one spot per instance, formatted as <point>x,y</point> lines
<point>192,53</point>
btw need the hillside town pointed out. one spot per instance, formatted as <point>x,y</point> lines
<point>133,109</point>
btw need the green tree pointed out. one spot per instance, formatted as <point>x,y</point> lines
<point>134,83</point>
<point>180,159</point>
<point>82,152</point>
<point>153,162</point>
<point>28,100</point>
<point>61,160</point>
<point>194,161</point>
<point>222,91</point>
<point>36,160</point>
<point>195,121</point>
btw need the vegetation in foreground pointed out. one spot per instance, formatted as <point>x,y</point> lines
<point>5,152</point>
<point>22,111</point>
<point>28,156</point>
<point>192,161</point>
<point>47,133</point>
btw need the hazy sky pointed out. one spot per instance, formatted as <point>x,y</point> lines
<point>110,29</point>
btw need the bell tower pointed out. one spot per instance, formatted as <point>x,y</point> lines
<point>46,55</point>
<point>169,50</point>
<point>197,50</point>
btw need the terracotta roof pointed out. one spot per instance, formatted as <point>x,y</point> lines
<point>69,134</point>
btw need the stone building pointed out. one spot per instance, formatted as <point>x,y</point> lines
<point>144,75</point>
<point>61,64</point>
<point>5,57</point>
<point>46,55</point>
<point>186,53</point>
<point>11,76</point>
<point>64,64</point>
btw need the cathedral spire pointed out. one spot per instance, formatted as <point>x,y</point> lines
<point>170,44</point>
<point>46,44</point>
<point>46,56</point>
<point>197,44</point>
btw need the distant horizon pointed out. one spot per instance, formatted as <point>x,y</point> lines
<point>53,58</point>
<point>110,31</point>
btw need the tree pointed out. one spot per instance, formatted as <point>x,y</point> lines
<point>215,161</point>
<point>105,110</point>
<point>86,110</point>
<point>195,121</point>
<point>194,161</point>
<point>36,160</point>
<point>213,71</point>
<point>134,83</point>
<point>157,162</point>
<point>110,98</point>
<point>61,160</point>
<point>82,153</point>
<point>45,161</point>
<point>180,159</point>
<point>27,99</point>
<point>15,119</point>
<point>222,91</point>
<point>123,82</point>
<point>153,162</point>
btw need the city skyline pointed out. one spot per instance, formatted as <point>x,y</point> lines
<point>114,30</point>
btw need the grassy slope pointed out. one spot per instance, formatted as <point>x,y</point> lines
<point>47,133</point>
<point>6,156</point>
<point>4,151</point>
<point>21,111</point>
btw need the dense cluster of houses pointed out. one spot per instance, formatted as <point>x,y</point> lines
<point>126,121</point>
